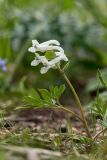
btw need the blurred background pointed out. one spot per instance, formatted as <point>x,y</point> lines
<point>79,25</point>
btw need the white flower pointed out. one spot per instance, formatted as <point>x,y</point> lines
<point>54,61</point>
<point>62,56</point>
<point>43,47</point>
<point>35,62</point>
<point>39,59</point>
<point>54,42</point>
<point>45,69</point>
<point>34,45</point>
<point>51,45</point>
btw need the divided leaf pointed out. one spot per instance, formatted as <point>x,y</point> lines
<point>44,97</point>
<point>45,94</point>
<point>31,101</point>
<point>56,91</point>
<point>61,90</point>
<point>35,94</point>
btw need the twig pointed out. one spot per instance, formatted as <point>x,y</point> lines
<point>102,131</point>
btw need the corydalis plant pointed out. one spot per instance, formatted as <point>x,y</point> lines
<point>54,47</point>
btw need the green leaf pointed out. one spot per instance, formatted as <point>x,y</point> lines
<point>35,94</point>
<point>101,79</point>
<point>45,95</point>
<point>32,101</point>
<point>52,90</point>
<point>56,92</point>
<point>95,83</point>
<point>61,90</point>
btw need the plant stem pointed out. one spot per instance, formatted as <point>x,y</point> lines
<point>77,100</point>
<point>102,131</point>
<point>70,111</point>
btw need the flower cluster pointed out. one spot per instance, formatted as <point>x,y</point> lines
<point>51,45</point>
<point>3,65</point>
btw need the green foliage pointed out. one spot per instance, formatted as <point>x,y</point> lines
<point>26,136</point>
<point>3,79</point>
<point>57,141</point>
<point>56,91</point>
<point>97,11</point>
<point>5,48</point>
<point>102,80</point>
<point>102,149</point>
<point>97,82</point>
<point>99,108</point>
<point>44,97</point>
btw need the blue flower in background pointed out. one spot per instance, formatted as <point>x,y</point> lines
<point>3,65</point>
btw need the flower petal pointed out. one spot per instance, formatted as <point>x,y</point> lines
<point>2,62</point>
<point>35,62</point>
<point>44,60</point>
<point>44,70</point>
<point>32,49</point>
<point>4,68</point>
<point>35,43</point>
<point>57,53</point>
<point>64,58</point>
<point>54,61</point>
<point>51,42</point>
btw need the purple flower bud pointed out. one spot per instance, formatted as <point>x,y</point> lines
<point>3,65</point>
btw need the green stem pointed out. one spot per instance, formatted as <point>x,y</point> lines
<point>70,111</point>
<point>77,100</point>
